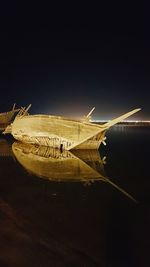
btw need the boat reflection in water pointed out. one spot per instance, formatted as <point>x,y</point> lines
<point>52,164</point>
<point>77,166</point>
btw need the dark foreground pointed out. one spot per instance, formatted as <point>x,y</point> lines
<point>85,223</point>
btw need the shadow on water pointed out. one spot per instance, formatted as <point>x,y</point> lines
<point>61,209</point>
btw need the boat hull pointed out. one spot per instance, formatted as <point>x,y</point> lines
<point>57,132</point>
<point>6,118</point>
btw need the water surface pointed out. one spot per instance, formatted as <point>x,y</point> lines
<point>76,209</point>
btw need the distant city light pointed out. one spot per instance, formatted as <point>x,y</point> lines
<point>130,121</point>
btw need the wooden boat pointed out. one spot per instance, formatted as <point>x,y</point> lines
<point>6,117</point>
<point>60,132</point>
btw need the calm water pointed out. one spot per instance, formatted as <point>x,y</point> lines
<point>69,209</point>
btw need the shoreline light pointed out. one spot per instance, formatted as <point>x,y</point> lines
<point>130,121</point>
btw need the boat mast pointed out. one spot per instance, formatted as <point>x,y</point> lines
<point>89,114</point>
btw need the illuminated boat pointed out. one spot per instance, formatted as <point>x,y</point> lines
<point>60,132</point>
<point>6,117</point>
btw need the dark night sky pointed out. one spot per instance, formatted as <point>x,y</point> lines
<point>66,65</point>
